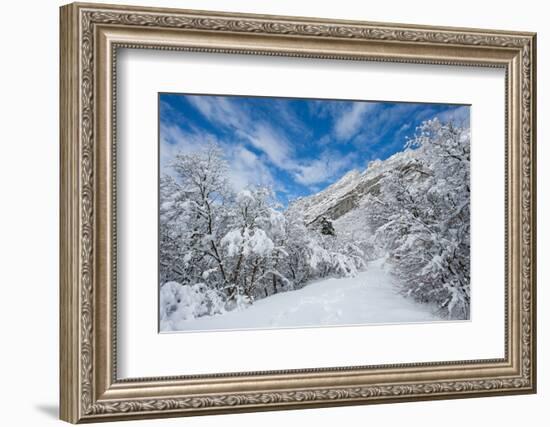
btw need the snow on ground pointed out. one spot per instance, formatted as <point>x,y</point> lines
<point>368,298</point>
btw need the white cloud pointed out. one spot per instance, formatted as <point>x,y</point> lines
<point>219,110</point>
<point>352,119</point>
<point>273,144</point>
<point>405,127</point>
<point>459,116</point>
<point>246,168</point>
<point>279,151</point>
<point>319,170</point>
<point>325,140</point>
<point>174,140</point>
<point>290,119</point>
<point>314,172</point>
<point>259,134</point>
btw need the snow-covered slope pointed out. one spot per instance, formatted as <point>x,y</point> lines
<point>368,298</point>
<point>346,194</point>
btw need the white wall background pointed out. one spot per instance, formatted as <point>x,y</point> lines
<point>29,170</point>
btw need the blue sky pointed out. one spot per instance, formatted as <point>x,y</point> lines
<point>296,146</point>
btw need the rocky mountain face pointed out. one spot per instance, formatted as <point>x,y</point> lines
<point>344,201</point>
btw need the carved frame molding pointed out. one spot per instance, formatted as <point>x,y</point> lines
<point>90,37</point>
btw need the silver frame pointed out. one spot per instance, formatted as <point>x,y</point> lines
<point>90,37</point>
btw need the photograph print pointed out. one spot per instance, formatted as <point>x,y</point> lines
<point>289,212</point>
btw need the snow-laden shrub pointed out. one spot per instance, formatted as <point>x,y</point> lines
<point>247,242</point>
<point>185,302</point>
<point>239,303</point>
<point>329,256</point>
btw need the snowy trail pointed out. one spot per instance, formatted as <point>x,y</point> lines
<point>368,298</point>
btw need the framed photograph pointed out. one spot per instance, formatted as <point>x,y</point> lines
<point>265,212</point>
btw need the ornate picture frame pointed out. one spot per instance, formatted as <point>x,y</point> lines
<point>91,35</point>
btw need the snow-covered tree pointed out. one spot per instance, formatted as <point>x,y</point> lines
<point>326,227</point>
<point>192,219</point>
<point>313,253</point>
<point>422,218</point>
<point>299,247</point>
<point>237,246</point>
<point>251,244</point>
